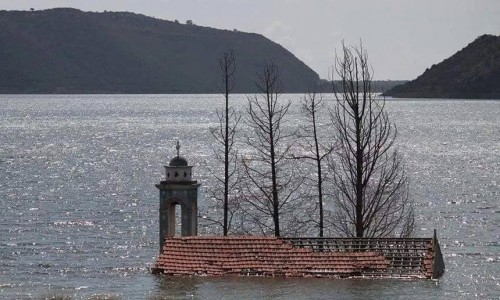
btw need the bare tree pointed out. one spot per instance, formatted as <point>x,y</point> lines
<point>271,190</point>
<point>315,152</point>
<point>372,198</point>
<point>225,136</point>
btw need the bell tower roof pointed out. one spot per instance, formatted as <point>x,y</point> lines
<point>178,161</point>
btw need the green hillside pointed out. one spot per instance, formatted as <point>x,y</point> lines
<point>70,51</point>
<point>471,73</point>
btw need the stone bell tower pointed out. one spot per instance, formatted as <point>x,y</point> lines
<point>178,190</point>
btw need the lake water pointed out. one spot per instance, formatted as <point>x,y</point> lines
<point>79,210</point>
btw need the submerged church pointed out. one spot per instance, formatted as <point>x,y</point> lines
<point>190,254</point>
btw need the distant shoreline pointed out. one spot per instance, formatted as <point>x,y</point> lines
<point>387,98</point>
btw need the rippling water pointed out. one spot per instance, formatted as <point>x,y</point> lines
<point>79,208</point>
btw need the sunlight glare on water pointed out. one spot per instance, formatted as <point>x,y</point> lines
<point>79,207</point>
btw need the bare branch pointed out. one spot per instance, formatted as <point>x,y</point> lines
<point>224,134</point>
<point>270,190</point>
<point>372,197</point>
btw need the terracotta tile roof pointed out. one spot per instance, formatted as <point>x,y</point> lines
<point>271,256</point>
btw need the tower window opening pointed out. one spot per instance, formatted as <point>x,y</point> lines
<point>178,219</point>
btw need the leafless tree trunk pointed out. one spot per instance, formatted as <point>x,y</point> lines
<point>372,197</point>
<point>315,151</point>
<point>271,189</point>
<point>225,134</point>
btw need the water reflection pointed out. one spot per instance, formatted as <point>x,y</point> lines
<point>234,287</point>
<point>175,287</point>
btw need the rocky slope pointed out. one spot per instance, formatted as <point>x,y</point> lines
<point>471,73</point>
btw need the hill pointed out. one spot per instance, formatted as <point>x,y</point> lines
<point>471,73</point>
<point>69,51</point>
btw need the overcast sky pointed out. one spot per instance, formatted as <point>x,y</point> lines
<point>402,37</point>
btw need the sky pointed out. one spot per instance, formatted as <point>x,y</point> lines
<point>402,37</point>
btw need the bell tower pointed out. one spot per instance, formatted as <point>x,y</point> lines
<point>178,190</point>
